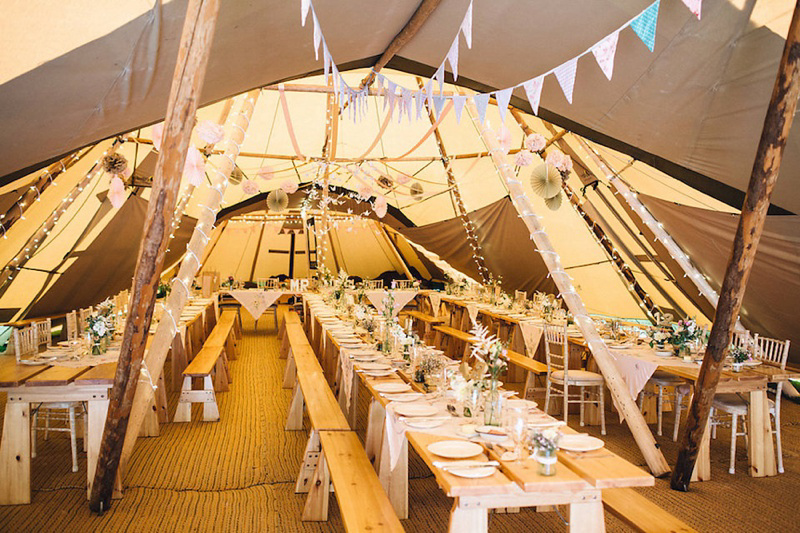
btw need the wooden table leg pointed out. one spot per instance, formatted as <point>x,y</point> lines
<point>587,517</point>
<point>96,420</point>
<point>468,520</point>
<point>15,454</point>
<point>760,452</point>
<point>702,467</point>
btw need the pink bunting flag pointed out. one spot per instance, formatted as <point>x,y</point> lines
<point>694,6</point>
<point>533,90</point>
<point>458,106</point>
<point>604,52</point>
<point>194,170</point>
<point>116,192</point>
<point>452,58</point>
<point>503,97</point>
<point>565,74</point>
<point>466,26</point>
<point>304,5</point>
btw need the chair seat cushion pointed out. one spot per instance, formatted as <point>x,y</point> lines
<point>665,378</point>
<point>735,404</point>
<point>578,376</point>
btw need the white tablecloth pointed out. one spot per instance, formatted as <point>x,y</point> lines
<point>256,301</point>
<point>401,299</point>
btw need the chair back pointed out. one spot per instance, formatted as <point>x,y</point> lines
<point>556,348</point>
<point>26,341</point>
<point>261,283</point>
<point>520,296</point>
<point>83,317</point>
<point>403,284</point>
<point>44,332</point>
<point>373,284</point>
<point>743,339</point>
<point>272,284</point>
<point>772,351</point>
<point>72,326</point>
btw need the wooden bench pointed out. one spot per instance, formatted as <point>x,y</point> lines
<point>427,322</point>
<point>455,334</point>
<point>532,367</point>
<point>641,514</point>
<point>211,365</point>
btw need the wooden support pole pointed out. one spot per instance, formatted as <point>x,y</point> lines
<point>613,379</point>
<point>223,166</point>
<point>16,211</point>
<point>777,124</point>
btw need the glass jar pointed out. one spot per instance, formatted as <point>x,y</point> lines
<point>547,460</point>
<point>493,406</point>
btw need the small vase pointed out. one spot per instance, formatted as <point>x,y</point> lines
<point>98,347</point>
<point>736,367</point>
<point>492,409</point>
<point>547,460</point>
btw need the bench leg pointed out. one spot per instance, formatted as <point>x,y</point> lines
<point>290,374</point>
<point>316,508</point>
<point>161,401</point>
<point>311,458</point>
<point>294,421</point>
<point>210,409</point>
<point>475,520</point>
<point>284,347</point>
<point>587,517</point>
<point>183,413</point>
<point>230,346</point>
<point>530,385</point>
<point>221,375</point>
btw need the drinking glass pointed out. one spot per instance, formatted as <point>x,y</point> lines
<point>516,424</point>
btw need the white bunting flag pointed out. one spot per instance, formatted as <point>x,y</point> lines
<point>458,106</point>
<point>694,6</point>
<point>466,26</point>
<point>503,97</point>
<point>533,90</point>
<point>565,74</point>
<point>439,77</point>
<point>304,5</point>
<point>419,100</point>
<point>438,103</point>
<point>391,87</point>
<point>604,53</point>
<point>379,82</point>
<point>407,96</point>
<point>326,60</point>
<point>452,57</point>
<point>481,101</point>
<point>317,35</point>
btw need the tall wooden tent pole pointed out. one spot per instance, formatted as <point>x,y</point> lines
<point>619,390</point>
<point>767,163</point>
<point>223,166</point>
<point>187,82</point>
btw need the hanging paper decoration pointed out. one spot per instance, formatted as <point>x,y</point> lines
<point>265,173</point>
<point>481,101</point>
<point>523,158</point>
<point>504,139</point>
<point>561,161</point>
<point>604,53</point>
<point>694,6</point>
<point>545,180</point>
<point>452,58</point>
<point>209,132</point>
<point>158,135</point>
<point>116,192</point>
<point>380,206</point>
<point>194,170</point>
<point>416,190</point>
<point>645,25</point>
<point>250,187</point>
<point>115,164</point>
<point>385,182</point>
<point>304,5</point>
<point>402,179</point>
<point>289,186</point>
<point>365,191</point>
<point>458,105</point>
<point>533,91</point>
<point>535,142</point>
<point>554,202</point>
<point>277,200</point>
<point>503,97</point>
<point>438,103</point>
<point>565,74</point>
<point>466,26</point>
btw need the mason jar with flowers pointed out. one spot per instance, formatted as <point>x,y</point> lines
<point>493,353</point>
<point>97,328</point>
<point>682,334</point>
<point>739,355</point>
<point>545,448</point>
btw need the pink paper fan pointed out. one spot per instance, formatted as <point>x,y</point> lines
<point>209,132</point>
<point>364,191</point>
<point>265,173</point>
<point>380,206</point>
<point>195,168</point>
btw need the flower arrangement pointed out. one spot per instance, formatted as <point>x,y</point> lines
<point>99,333</point>
<point>491,352</point>
<point>683,332</point>
<point>163,289</point>
<point>504,300</point>
<point>429,365</point>
<point>546,440</point>
<point>739,355</point>
<point>340,285</point>
<point>325,276</point>
<point>228,282</point>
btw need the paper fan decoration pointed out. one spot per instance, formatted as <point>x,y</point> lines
<point>277,200</point>
<point>236,176</point>
<point>546,180</point>
<point>416,190</point>
<point>554,203</point>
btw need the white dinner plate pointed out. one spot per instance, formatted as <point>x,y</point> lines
<point>403,397</point>
<point>619,346</point>
<point>455,449</point>
<point>473,472</point>
<point>492,433</point>
<point>374,366</point>
<point>580,443</point>
<point>365,358</point>
<point>415,409</point>
<point>522,404</point>
<point>423,423</point>
<point>663,353</point>
<point>395,386</point>
<point>378,373</point>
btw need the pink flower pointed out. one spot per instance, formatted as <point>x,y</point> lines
<point>364,191</point>
<point>524,158</point>
<point>265,173</point>
<point>209,132</point>
<point>158,135</point>
<point>289,186</point>
<point>194,170</point>
<point>504,139</point>
<point>380,206</point>
<point>535,142</point>
<point>559,160</point>
<point>116,192</point>
<point>250,187</point>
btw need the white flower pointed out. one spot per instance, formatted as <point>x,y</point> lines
<point>99,327</point>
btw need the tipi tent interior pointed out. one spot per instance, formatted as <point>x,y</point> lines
<point>584,167</point>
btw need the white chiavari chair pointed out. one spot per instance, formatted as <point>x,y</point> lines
<point>560,375</point>
<point>26,342</point>
<point>272,284</point>
<point>520,296</point>
<point>372,284</point>
<point>72,326</point>
<point>44,332</point>
<point>403,284</point>
<point>83,316</point>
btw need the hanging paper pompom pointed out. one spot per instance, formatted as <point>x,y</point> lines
<point>158,135</point>
<point>524,158</point>
<point>289,186</point>
<point>504,139</point>
<point>535,142</point>
<point>116,192</point>
<point>416,190</point>
<point>554,203</point>
<point>195,168</point>
<point>115,164</point>
<point>265,173</point>
<point>402,179</point>
<point>545,180</point>
<point>277,200</point>
<point>209,132</point>
<point>559,160</point>
<point>385,182</point>
<point>250,187</point>
<point>380,206</point>
<point>365,191</point>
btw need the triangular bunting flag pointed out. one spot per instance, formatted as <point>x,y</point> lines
<point>429,91</point>
<point>304,5</point>
<point>438,103</point>
<point>326,60</point>
<point>458,105</point>
<point>645,25</point>
<point>481,101</point>
<point>388,96</point>
<point>317,35</point>
<point>533,90</point>
<point>391,96</point>
<point>439,76</point>
<point>604,53</point>
<point>694,6</point>
<point>466,26</point>
<point>503,97</point>
<point>406,104</point>
<point>379,81</point>
<point>452,57</point>
<point>565,74</point>
<point>419,100</point>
